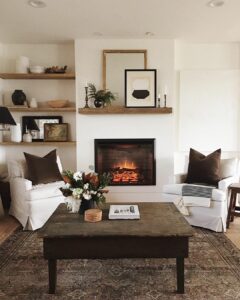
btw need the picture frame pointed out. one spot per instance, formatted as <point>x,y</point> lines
<point>55,132</point>
<point>38,136</point>
<point>140,88</point>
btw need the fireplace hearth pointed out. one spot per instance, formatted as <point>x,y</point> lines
<point>129,161</point>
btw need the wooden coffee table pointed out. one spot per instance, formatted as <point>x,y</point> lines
<point>162,232</point>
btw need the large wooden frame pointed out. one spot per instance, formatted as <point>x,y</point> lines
<point>105,52</point>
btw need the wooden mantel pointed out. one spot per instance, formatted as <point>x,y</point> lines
<point>124,110</point>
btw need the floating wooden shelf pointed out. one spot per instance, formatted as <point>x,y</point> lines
<point>36,76</point>
<point>124,110</point>
<point>70,143</point>
<point>42,109</point>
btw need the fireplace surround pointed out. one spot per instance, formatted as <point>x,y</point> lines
<point>131,162</point>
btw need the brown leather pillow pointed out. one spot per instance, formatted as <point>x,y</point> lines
<point>204,169</point>
<point>43,169</point>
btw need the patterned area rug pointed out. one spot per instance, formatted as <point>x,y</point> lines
<point>212,272</point>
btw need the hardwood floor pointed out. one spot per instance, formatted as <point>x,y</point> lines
<point>9,224</point>
<point>233,233</point>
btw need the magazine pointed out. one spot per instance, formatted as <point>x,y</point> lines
<point>124,212</point>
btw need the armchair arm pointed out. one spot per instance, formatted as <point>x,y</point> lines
<point>224,183</point>
<point>179,178</point>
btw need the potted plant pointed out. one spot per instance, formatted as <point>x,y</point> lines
<point>101,97</point>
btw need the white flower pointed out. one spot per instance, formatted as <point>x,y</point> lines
<point>93,192</point>
<point>77,193</point>
<point>86,186</point>
<point>77,176</point>
<point>87,196</point>
<point>66,186</point>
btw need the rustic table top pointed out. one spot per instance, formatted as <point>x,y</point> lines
<point>156,220</point>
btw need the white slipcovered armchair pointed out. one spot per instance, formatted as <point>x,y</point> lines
<point>32,205</point>
<point>215,216</point>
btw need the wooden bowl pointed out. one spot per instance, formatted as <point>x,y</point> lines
<point>93,215</point>
<point>58,103</point>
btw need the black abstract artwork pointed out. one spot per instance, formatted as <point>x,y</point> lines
<point>140,94</point>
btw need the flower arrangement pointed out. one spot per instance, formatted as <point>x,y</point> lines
<point>84,186</point>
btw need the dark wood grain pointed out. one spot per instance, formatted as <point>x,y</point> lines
<point>157,219</point>
<point>161,232</point>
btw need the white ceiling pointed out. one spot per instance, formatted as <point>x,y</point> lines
<point>65,20</point>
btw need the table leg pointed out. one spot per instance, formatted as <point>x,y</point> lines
<point>180,275</point>
<point>230,209</point>
<point>52,275</point>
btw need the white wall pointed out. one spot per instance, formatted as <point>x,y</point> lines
<point>43,90</point>
<point>88,57</point>
<point>208,91</point>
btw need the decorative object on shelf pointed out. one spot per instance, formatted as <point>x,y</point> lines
<point>27,137</point>
<point>18,97</point>
<point>37,69</point>
<point>6,120</point>
<point>140,87</point>
<point>159,100</point>
<point>22,64</point>
<point>38,136</point>
<point>86,96</point>
<point>100,97</point>
<point>114,63</point>
<point>93,215</point>
<point>32,128</point>
<point>87,187</point>
<point>58,103</point>
<point>33,103</point>
<point>165,96</point>
<point>56,70</point>
<point>16,133</point>
<point>56,132</point>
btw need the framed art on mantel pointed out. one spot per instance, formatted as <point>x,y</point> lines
<point>140,87</point>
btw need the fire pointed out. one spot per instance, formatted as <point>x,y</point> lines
<point>125,165</point>
<point>125,172</point>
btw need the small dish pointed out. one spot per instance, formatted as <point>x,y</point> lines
<point>58,103</point>
<point>37,69</point>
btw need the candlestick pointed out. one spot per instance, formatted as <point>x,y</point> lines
<point>159,101</point>
<point>165,100</point>
<point>86,97</point>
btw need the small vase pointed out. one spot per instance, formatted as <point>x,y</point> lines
<point>73,204</point>
<point>85,205</point>
<point>16,133</point>
<point>98,103</point>
<point>18,97</point>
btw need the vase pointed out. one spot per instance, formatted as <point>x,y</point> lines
<point>16,133</point>
<point>98,103</point>
<point>18,97</point>
<point>73,204</point>
<point>85,205</point>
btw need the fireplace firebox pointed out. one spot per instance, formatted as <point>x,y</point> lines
<point>129,161</point>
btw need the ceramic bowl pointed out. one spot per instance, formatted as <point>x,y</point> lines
<point>37,69</point>
<point>58,103</point>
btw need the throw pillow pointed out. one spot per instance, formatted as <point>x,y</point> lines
<point>204,169</point>
<point>43,169</point>
<point>228,167</point>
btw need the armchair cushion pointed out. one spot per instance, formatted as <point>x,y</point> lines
<point>43,169</point>
<point>204,169</point>
<point>176,189</point>
<point>44,191</point>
